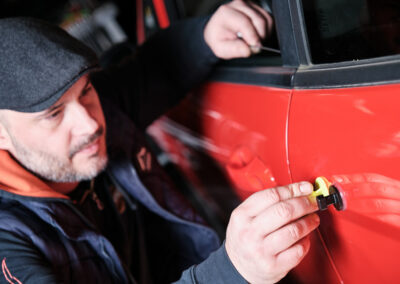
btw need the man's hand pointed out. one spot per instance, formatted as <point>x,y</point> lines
<point>238,17</point>
<point>267,234</point>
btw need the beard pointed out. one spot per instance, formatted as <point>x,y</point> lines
<point>53,168</point>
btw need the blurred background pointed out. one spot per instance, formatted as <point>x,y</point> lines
<point>102,24</point>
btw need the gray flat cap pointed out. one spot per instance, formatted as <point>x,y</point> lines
<point>38,63</point>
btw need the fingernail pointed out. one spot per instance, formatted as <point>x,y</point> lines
<point>306,187</point>
<point>255,49</point>
<point>316,218</point>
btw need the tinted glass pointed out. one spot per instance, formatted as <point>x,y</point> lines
<point>343,30</point>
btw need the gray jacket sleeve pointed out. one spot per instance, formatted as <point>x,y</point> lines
<point>217,269</point>
<point>22,262</point>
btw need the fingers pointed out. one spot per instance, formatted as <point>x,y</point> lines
<point>236,17</point>
<point>241,23</point>
<point>262,200</point>
<point>291,257</point>
<point>276,216</point>
<point>261,10</point>
<point>267,234</point>
<point>236,48</point>
<point>290,234</point>
<point>255,14</point>
<point>266,15</point>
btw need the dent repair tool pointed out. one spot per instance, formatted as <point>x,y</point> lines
<point>326,194</point>
<point>256,48</point>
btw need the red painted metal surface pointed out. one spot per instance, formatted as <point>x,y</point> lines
<point>140,31</point>
<point>231,123</point>
<point>253,139</point>
<point>262,137</point>
<point>162,14</point>
<point>351,136</point>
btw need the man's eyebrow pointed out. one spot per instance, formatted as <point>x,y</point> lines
<point>50,110</point>
<point>55,107</point>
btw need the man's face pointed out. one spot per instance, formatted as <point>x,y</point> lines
<point>65,143</point>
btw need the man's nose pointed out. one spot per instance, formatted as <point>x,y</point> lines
<point>83,122</point>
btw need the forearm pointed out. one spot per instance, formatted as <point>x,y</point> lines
<point>164,69</point>
<point>174,61</point>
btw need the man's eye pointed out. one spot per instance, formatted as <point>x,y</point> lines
<point>54,115</point>
<point>86,91</point>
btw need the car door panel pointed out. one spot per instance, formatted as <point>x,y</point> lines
<point>341,121</point>
<point>230,124</point>
<point>351,136</point>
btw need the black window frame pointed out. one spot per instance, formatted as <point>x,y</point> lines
<point>269,75</point>
<point>297,70</point>
<point>292,35</point>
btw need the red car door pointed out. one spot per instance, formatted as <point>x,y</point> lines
<point>351,136</point>
<point>223,138</point>
<point>344,125</point>
<point>230,136</point>
<point>326,107</point>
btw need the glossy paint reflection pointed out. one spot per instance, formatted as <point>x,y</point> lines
<point>248,172</point>
<point>354,143</point>
<point>367,231</point>
<point>226,138</point>
<point>229,122</point>
<point>253,137</point>
<point>373,195</point>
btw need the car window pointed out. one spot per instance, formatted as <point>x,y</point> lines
<point>343,30</point>
<point>195,8</point>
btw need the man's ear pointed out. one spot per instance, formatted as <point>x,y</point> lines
<point>5,139</point>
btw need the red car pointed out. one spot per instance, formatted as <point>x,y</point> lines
<point>327,105</point>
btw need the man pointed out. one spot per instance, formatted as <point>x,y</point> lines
<point>75,208</point>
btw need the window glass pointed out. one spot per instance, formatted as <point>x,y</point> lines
<point>344,30</point>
